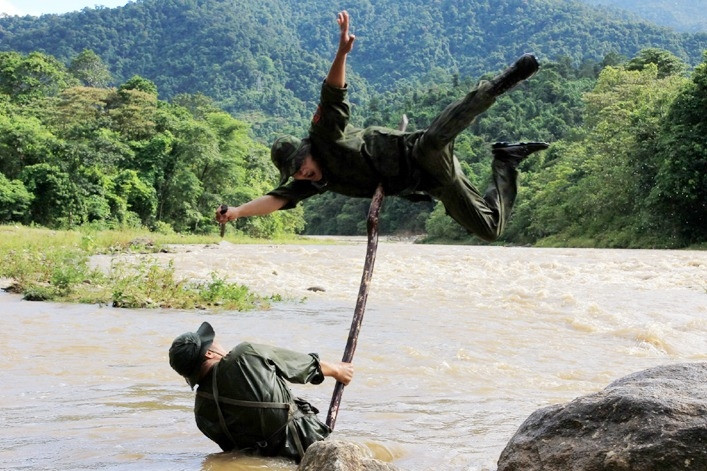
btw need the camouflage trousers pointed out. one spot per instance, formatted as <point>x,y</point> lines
<point>485,216</point>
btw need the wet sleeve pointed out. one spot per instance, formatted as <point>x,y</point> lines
<point>292,366</point>
<point>332,115</point>
<point>295,191</point>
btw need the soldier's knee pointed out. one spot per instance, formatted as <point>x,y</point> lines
<point>481,226</point>
<point>487,236</point>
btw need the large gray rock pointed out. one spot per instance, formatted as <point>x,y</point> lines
<point>335,455</point>
<point>648,421</point>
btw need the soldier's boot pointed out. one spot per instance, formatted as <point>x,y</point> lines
<point>514,154</point>
<point>524,68</point>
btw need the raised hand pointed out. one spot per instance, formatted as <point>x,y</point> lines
<point>346,40</point>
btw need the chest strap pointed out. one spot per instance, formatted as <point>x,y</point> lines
<point>236,402</point>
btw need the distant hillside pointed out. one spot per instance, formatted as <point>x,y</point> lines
<point>269,56</point>
<point>682,15</point>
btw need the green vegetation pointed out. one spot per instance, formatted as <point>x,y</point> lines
<point>119,157</point>
<point>55,265</point>
<point>685,15</point>
<point>635,175</point>
<point>153,114</point>
<point>263,60</point>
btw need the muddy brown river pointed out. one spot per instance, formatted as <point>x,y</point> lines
<point>458,346</point>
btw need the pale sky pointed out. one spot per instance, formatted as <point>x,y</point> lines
<point>39,7</point>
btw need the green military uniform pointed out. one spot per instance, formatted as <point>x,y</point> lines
<point>413,165</point>
<point>255,411</point>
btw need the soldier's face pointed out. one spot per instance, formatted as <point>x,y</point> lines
<point>309,170</point>
<point>217,348</point>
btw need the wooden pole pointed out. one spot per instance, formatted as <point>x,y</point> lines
<point>371,248</point>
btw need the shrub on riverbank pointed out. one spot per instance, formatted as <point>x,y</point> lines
<point>54,265</point>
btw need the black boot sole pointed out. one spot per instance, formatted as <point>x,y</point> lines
<point>530,146</point>
<point>516,153</point>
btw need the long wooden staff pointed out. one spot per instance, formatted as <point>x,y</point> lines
<point>372,247</point>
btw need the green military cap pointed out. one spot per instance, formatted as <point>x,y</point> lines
<point>285,154</point>
<point>187,352</point>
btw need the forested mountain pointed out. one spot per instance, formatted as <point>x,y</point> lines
<point>681,15</point>
<point>114,117</point>
<point>268,56</point>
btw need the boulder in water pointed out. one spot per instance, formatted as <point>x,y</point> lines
<point>336,455</point>
<point>653,420</point>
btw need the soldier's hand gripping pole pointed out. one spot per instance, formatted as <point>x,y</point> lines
<point>371,248</point>
<point>222,229</point>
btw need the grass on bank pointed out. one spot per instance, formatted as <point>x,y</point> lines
<point>45,264</point>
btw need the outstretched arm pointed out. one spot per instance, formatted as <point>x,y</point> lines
<point>258,207</point>
<point>337,72</point>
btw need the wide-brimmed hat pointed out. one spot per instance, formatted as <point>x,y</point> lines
<point>287,156</point>
<point>188,350</point>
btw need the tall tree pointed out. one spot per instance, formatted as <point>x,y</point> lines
<point>90,70</point>
<point>31,77</point>
<point>667,63</point>
<point>14,201</point>
<point>679,197</point>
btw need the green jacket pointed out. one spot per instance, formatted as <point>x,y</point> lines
<point>257,407</point>
<point>354,160</point>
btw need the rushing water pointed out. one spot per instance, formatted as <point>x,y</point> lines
<point>459,345</point>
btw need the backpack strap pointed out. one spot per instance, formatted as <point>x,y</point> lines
<point>221,419</point>
<point>236,402</point>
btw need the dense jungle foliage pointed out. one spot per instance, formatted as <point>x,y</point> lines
<point>72,154</point>
<point>123,124</point>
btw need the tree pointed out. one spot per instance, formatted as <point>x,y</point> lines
<point>198,104</point>
<point>139,83</point>
<point>31,77</point>
<point>14,200</point>
<point>23,141</point>
<point>81,110</point>
<point>442,228</point>
<point>55,197</point>
<point>679,196</point>
<point>263,60</point>
<point>613,59</point>
<point>667,63</point>
<point>90,70</point>
<point>140,196</point>
<point>133,110</point>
